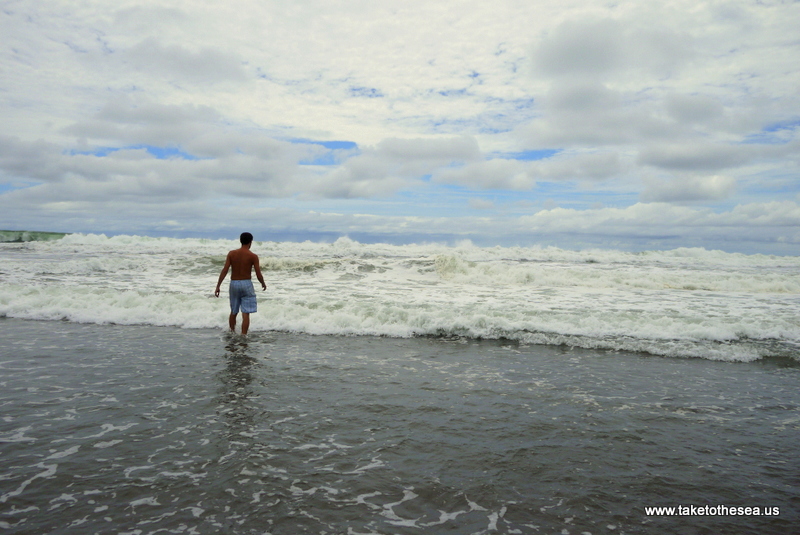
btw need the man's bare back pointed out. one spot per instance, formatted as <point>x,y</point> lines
<point>242,262</point>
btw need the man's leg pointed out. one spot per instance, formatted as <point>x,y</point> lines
<point>232,321</point>
<point>245,322</point>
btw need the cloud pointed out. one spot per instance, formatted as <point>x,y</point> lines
<point>391,165</point>
<point>221,164</point>
<point>430,150</point>
<point>694,109</point>
<point>481,204</point>
<point>490,174</point>
<point>661,224</point>
<point>583,166</point>
<point>29,160</point>
<point>131,121</point>
<point>610,47</point>
<point>697,156</point>
<point>521,175</point>
<point>176,62</point>
<point>154,19</point>
<point>585,113</point>
<point>270,169</point>
<point>689,189</point>
<point>664,90</point>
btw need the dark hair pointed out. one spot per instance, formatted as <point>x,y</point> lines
<point>246,238</point>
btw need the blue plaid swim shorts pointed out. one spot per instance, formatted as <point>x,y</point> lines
<point>243,296</point>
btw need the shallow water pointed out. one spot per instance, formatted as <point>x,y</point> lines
<point>141,429</point>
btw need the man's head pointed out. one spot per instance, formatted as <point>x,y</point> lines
<point>246,238</point>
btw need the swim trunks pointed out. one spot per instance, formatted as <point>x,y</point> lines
<point>242,295</point>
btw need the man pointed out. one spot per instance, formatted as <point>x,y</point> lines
<point>242,293</point>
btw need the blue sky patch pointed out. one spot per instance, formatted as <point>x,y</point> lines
<point>331,158</point>
<point>783,125</point>
<point>9,186</point>
<point>160,153</point>
<point>774,134</point>
<point>366,92</point>
<point>526,155</point>
<point>452,92</point>
<point>332,145</point>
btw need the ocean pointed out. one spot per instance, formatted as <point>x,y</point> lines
<point>397,389</point>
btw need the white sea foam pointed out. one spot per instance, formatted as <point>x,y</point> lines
<point>62,454</point>
<point>49,471</point>
<point>685,302</point>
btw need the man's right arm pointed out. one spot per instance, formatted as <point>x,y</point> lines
<point>223,274</point>
<point>258,273</point>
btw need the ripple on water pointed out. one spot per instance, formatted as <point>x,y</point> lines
<point>141,429</point>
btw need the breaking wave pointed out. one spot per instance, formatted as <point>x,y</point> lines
<point>685,302</point>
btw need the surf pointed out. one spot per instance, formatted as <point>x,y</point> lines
<point>684,303</point>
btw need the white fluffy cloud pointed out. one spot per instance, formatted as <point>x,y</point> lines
<point>690,189</point>
<point>667,87</point>
<point>173,62</point>
<point>518,175</point>
<point>605,48</point>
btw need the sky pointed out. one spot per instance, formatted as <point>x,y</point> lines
<point>570,123</point>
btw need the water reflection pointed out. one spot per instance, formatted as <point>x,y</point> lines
<point>236,393</point>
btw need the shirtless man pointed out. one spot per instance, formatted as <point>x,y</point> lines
<point>242,293</point>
